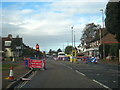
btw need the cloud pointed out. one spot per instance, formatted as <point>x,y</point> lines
<point>57,0</point>
<point>49,24</point>
<point>26,11</point>
<point>73,7</point>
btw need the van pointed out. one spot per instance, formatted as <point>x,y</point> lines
<point>61,55</point>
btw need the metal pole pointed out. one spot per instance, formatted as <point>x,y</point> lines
<point>100,37</point>
<point>63,47</point>
<point>119,56</point>
<point>72,41</point>
<point>103,32</point>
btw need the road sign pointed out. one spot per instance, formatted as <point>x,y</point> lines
<point>36,63</point>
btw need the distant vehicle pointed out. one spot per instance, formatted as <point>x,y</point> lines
<point>61,55</point>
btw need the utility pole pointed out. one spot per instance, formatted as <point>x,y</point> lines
<point>72,40</point>
<point>71,58</point>
<point>63,47</point>
<point>103,33</point>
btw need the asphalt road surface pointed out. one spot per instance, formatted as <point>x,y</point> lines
<point>107,74</point>
<point>64,74</point>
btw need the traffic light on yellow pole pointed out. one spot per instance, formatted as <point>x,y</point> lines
<point>37,48</point>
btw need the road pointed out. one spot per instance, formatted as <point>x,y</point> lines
<point>106,74</point>
<point>64,74</point>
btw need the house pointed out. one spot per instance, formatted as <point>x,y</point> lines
<point>12,46</point>
<point>109,39</point>
<point>93,49</point>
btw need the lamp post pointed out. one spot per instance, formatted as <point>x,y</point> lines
<point>71,58</point>
<point>72,39</point>
<point>103,33</point>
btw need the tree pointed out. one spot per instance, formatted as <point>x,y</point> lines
<point>68,49</point>
<point>59,50</point>
<point>90,32</point>
<point>50,52</point>
<point>28,52</point>
<point>112,20</point>
<point>107,49</point>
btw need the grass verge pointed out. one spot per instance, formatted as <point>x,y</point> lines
<point>7,66</point>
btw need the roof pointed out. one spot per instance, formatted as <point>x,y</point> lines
<point>109,39</point>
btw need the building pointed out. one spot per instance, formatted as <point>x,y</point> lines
<point>12,46</point>
<point>92,49</point>
<point>109,39</point>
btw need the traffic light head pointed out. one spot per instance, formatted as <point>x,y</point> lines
<point>37,47</point>
<point>37,50</point>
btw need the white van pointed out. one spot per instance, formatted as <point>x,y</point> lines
<point>61,54</point>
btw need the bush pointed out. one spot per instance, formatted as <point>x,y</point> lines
<point>110,49</point>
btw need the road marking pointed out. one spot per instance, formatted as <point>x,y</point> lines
<point>97,74</point>
<point>102,85</point>
<point>114,81</point>
<point>69,67</point>
<point>80,73</point>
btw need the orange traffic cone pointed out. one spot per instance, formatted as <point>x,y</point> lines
<point>11,77</point>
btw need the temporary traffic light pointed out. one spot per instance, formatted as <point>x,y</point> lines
<point>37,47</point>
<point>43,52</point>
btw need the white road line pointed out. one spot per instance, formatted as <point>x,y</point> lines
<point>69,67</point>
<point>102,85</point>
<point>80,73</point>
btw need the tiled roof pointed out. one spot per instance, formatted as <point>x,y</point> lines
<point>109,39</point>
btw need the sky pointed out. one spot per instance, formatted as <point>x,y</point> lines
<point>49,22</point>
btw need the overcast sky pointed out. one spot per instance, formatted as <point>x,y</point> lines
<point>49,23</point>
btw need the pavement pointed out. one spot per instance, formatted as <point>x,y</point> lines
<point>18,72</point>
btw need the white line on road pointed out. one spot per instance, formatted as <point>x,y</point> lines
<point>80,73</point>
<point>102,85</point>
<point>69,67</point>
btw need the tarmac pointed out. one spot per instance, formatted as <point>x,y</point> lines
<point>20,70</point>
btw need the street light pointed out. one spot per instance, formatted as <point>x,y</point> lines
<point>103,33</point>
<point>72,39</point>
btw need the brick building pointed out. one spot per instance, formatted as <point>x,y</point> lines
<point>12,46</point>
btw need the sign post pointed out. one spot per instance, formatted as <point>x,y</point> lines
<point>37,50</point>
<point>119,56</point>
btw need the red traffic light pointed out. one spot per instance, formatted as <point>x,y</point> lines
<point>37,47</point>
